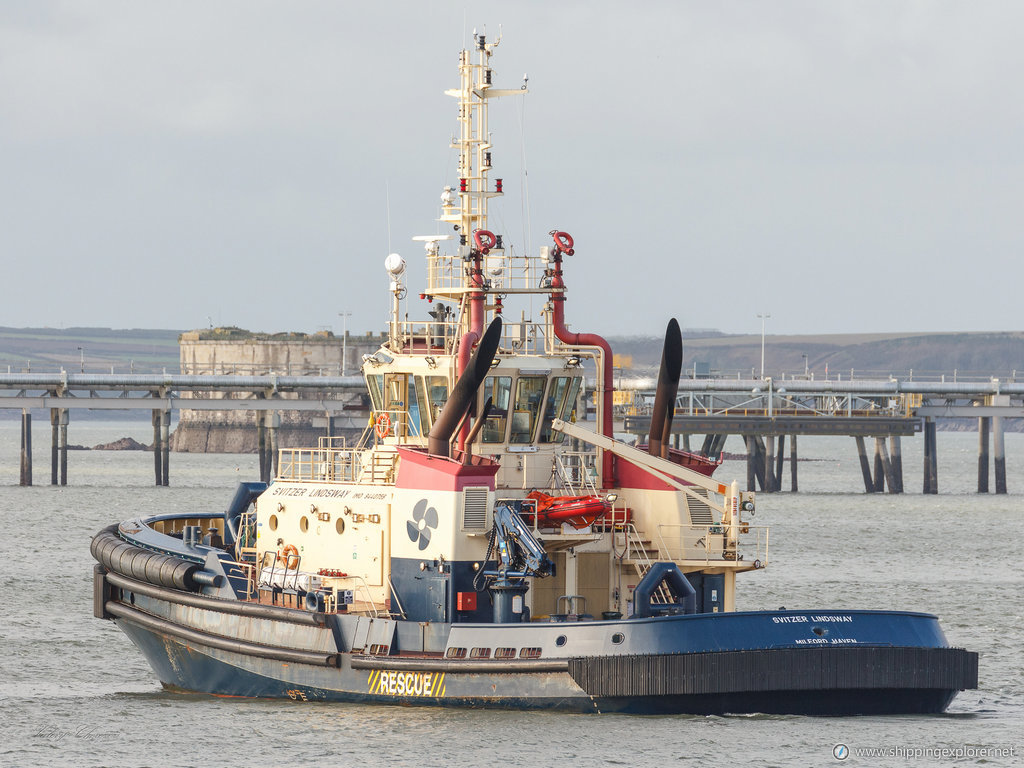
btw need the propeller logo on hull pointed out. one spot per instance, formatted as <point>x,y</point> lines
<point>424,520</point>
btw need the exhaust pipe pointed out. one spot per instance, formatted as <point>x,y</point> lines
<point>668,388</point>
<point>464,392</point>
<point>479,423</point>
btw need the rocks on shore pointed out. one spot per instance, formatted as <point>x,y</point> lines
<point>124,444</point>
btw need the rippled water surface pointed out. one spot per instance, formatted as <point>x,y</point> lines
<point>74,691</point>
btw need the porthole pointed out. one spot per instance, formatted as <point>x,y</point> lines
<point>303,523</point>
<point>618,637</point>
<point>340,526</point>
<point>560,640</point>
<point>272,522</point>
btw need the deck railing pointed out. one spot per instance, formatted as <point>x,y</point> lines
<point>707,543</point>
<point>337,465</point>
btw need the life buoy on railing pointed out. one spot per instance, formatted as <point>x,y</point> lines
<point>563,241</point>
<point>484,240</point>
<point>383,427</point>
<point>290,551</point>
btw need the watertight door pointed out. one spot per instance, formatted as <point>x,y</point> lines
<point>437,599</point>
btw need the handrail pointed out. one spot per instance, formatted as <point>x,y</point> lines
<point>573,464</point>
<point>713,538</point>
<point>342,465</point>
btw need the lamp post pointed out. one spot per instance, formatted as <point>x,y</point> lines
<point>344,339</point>
<point>81,353</point>
<point>805,366</point>
<point>764,316</point>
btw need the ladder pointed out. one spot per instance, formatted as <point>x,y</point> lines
<point>573,477</point>
<point>638,551</point>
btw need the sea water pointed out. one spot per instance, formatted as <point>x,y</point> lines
<point>74,691</point>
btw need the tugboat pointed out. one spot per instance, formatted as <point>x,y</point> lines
<point>482,546</point>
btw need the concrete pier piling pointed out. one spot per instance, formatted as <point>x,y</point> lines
<point>267,424</point>
<point>26,447</point>
<point>931,463</point>
<point>896,459</point>
<point>865,468</point>
<point>158,465</point>
<point>792,464</point>
<point>261,447</point>
<point>54,447</point>
<point>888,475</point>
<point>769,464</point>
<point>274,419</point>
<point>983,428</point>
<point>165,447</point>
<point>58,446</point>
<point>751,442</point>
<point>780,457</point>
<point>162,446</point>
<point>756,463</point>
<point>878,486</point>
<point>999,453</point>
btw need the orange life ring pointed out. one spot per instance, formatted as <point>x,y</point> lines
<point>484,240</point>
<point>383,427</point>
<point>287,554</point>
<point>563,241</point>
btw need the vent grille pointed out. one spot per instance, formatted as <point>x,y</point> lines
<point>474,509</point>
<point>700,512</point>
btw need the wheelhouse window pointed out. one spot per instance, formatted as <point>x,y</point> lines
<point>396,396</point>
<point>437,395</point>
<point>559,404</point>
<point>498,388</point>
<point>529,392</point>
<point>419,422</point>
<point>375,383</point>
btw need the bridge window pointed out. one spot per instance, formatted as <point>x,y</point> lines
<point>480,653</point>
<point>560,401</point>
<point>406,403</point>
<point>375,384</point>
<point>456,653</point>
<point>529,653</point>
<point>419,407</point>
<point>498,388</point>
<point>529,391</point>
<point>504,653</point>
<point>437,395</point>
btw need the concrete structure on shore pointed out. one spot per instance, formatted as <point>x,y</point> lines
<point>236,352</point>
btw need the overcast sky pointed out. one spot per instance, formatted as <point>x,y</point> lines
<point>843,166</point>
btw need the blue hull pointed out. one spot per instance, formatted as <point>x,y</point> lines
<point>199,637</point>
<point>790,680</point>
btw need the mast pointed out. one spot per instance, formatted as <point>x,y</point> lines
<point>465,207</point>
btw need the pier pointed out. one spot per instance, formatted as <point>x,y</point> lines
<point>160,394</point>
<point>768,415</point>
<point>765,412</point>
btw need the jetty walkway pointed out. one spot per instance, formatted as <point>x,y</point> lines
<point>764,412</point>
